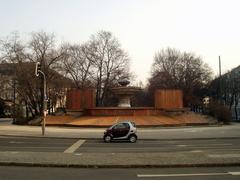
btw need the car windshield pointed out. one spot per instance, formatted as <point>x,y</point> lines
<point>133,123</point>
<point>119,126</point>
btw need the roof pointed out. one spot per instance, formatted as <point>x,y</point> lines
<point>7,69</point>
<point>10,69</point>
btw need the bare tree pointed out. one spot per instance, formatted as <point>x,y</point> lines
<point>42,48</point>
<point>110,62</point>
<point>174,69</point>
<point>13,53</point>
<point>98,63</point>
<point>77,65</point>
<point>23,56</point>
<point>226,89</point>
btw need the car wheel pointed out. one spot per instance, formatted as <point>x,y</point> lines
<point>132,138</point>
<point>107,138</point>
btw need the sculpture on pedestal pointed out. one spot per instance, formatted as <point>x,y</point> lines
<point>125,92</point>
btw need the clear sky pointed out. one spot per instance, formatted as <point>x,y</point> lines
<point>208,28</point>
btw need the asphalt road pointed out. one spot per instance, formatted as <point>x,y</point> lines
<point>156,133</point>
<point>152,146</point>
<point>34,144</point>
<point>80,146</point>
<point>27,144</point>
<point>39,173</point>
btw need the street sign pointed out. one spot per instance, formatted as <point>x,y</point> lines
<point>37,68</point>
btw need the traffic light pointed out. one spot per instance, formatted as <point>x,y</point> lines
<point>37,68</point>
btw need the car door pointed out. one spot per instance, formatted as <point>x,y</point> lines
<point>116,130</point>
<point>124,129</point>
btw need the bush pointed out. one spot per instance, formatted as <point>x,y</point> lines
<point>19,117</point>
<point>220,112</point>
<point>21,121</point>
<point>2,107</point>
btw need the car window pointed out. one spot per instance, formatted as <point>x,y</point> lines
<point>119,126</point>
<point>133,123</point>
<point>126,125</point>
<point>122,126</point>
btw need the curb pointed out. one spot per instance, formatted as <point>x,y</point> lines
<point>142,139</point>
<point>117,165</point>
<point>139,126</point>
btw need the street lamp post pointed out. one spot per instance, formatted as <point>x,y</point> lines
<point>37,71</point>
<point>14,100</point>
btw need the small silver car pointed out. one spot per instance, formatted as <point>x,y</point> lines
<point>125,130</point>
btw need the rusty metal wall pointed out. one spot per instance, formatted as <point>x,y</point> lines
<point>168,99</point>
<point>78,99</point>
<point>85,99</point>
<point>89,98</point>
<point>118,111</point>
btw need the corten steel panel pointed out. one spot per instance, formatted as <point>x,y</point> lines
<point>168,99</point>
<point>88,98</point>
<point>144,112</point>
<point>148,111</point>
<point>68,103</point>
<point>78,99</point>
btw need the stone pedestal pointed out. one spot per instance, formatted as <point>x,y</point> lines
<point>124,93</point>
<point>124,101</point>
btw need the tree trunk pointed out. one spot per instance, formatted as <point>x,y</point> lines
<point>236,112</point>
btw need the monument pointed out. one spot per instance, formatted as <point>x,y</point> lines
<point>125,92</point>
<point>83,102</point>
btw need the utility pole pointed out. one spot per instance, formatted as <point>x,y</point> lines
<point>37,72</point>
<point>220,78</point>
<point>14,100</point>
<point>220,73</point>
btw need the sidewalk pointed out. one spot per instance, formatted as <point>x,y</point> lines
<point>184,119</point>
<point>118,160</point>
<point>122,160</point>
<point>153,133</point>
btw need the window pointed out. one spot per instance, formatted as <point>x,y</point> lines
<point>126,125</point>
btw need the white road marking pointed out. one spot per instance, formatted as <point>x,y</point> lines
<point>15,142</point>
<point>4,137</point>
<point>74,147</point>
<point>182,145</point>
<point>196,151</point>
<point>185,175</point>
<point>34,147</point>
<point>13,152</point>
<point>219,144</point>
<point>179,175</point>
<point>204,145</point>
<point>224,155</point>
<point>193,131</point>
<point>234,173</point>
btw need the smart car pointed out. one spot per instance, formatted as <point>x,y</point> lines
<point>125,130</point>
